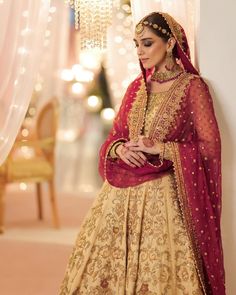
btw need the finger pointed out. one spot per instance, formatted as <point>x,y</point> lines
<point>137,157</point>
<point>124,159</point>
<point>135,162</point>
<point>141,155</point>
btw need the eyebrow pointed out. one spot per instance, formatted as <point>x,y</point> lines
<point>143,39</point>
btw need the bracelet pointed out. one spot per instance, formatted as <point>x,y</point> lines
<point>112,152</point>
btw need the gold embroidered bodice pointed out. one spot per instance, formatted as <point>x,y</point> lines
<point>149,116</point>
<point>155,101</point>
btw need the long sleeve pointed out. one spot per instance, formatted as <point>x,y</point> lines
<point>118,133</point>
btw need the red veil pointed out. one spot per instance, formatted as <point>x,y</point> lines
<point>188,127</point>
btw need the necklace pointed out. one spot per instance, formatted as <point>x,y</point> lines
<point>162,77</point>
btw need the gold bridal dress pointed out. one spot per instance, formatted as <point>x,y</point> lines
<point>133,240</point>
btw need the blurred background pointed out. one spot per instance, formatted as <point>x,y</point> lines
<point>50,177</point>
<point>62,82</point>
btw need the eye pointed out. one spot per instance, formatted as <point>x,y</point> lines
<point>148,43</point>
<point>135,45</point>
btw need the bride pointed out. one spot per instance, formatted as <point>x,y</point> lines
<point>154,228</point>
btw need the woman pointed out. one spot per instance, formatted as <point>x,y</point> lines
<point>155,226</point>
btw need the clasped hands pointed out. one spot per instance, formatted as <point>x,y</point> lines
<point>133,152</point>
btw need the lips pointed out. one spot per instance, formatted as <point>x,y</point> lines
<point>143,60</point>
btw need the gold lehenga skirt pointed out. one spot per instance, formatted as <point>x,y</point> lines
<point>133,242</point>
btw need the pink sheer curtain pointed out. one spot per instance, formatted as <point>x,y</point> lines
<point>22,31</point>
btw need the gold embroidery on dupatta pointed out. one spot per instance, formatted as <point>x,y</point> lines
<point>186,214</point>
<point>155,101</point>
<point>137,113</point>
<point>176,32</point>
<point>174,27</point>
<point>166,115</point>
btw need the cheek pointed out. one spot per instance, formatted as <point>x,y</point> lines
<point>158,51</point>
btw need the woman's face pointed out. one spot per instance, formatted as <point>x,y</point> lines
<point>151,49</point>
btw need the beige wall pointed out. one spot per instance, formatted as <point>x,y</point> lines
<point>216,46</point>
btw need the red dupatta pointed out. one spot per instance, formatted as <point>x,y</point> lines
<point>187,125</point>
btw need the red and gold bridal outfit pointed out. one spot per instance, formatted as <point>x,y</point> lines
<point>156,229</point>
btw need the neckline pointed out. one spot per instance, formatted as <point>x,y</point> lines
<point>165,91</point>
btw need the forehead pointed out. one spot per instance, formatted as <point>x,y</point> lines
<point>145,34</point>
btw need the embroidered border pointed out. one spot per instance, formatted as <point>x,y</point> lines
<point>177,32</point>
<point>137,114</point>
<point>186,214</point>
<point>166,114</point>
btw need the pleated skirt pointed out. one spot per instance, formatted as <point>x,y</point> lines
<point>133,241</point>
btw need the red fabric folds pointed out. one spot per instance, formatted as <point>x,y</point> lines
<point>200,160</point>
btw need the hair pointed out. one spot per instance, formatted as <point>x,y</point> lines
<point>157,18</point>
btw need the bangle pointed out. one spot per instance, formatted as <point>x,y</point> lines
<point>112,152</point>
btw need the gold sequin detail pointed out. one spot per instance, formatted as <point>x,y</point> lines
<point>154,103</point>
<point>133,235</point>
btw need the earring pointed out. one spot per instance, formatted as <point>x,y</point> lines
<point>169,61</point>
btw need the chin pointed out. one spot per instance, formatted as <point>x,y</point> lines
<point>148,66</point>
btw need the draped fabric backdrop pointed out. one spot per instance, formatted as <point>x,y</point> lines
<point>22,30</point>
<point>34,40</point>
<point>54,57</point>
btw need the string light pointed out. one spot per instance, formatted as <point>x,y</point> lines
<point>91,59</point>
<point>67,75</point>
<point>82,75</point>
<point>38,87</point>
<point>22,50</point>
<point>107,115</point>
<point>94,103</point>
<point>23,186</point>
<point>68,135</point>
<point>25,132</point>
<point>25,31</point>
<point>78,88</point>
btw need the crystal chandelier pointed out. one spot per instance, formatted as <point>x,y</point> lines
<point>92,18</point>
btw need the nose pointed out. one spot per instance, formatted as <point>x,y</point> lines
<point>140,51</point>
